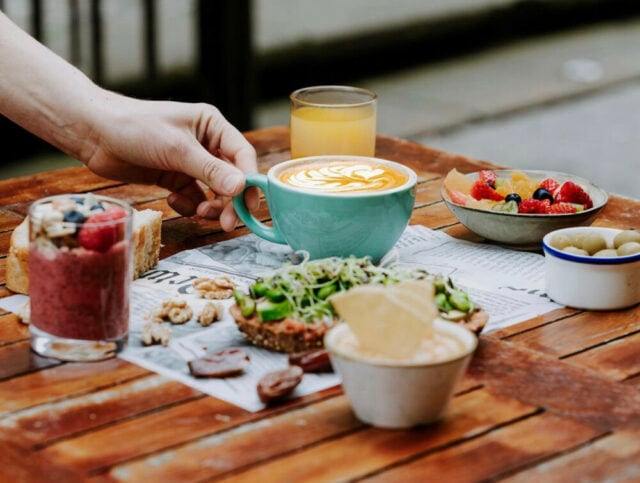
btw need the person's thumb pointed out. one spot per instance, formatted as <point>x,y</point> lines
<point>221,176</point>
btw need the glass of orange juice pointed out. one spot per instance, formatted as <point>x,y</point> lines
<point>333,120</point>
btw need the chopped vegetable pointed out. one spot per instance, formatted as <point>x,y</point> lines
<point>304,291</point>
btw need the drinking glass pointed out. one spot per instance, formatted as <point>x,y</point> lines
<point>333,120</point>
<point>79,276</point>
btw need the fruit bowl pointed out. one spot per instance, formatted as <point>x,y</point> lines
<point>525,231</point>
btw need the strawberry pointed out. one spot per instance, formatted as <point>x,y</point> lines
<point>488,176</point>
<point>481,190</point>
<point>97,233</point>
<point>569,192</point>
<point>533,206</point>
<point>561,209</point>
<point>457,197</point>
<point>550,184</point>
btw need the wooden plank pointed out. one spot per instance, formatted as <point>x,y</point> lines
<point>433,216</point>
<point>612,458</point>
<point>269,141</point>
<point>418,156</point>
<point>619,213</point>
<point>17,359</point>
<point>8,221</point>
<point>427,193</point>
<point>59,419</point>
<point>502,451</point>
<point>11,330</point>
<point>5,242</point>
<point>363,452</point>
<point>146,435</point>
<point>540,320</point>
<point>63,381</point>
<point>585,330</point>
<point>619,359</point>
<point>68,180</point>
<point>19,465</point>
<point>562,388</point>
<point>245,445</point>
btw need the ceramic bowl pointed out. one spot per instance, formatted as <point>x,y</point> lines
<point>525,231</point>
<point>399,395</point>
<point>591,283</point>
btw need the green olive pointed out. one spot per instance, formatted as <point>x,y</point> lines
<point>575,251</point>
<point>629,248</point>
<point>593,242</point>
<point>606,253</point>
<point>625,237</point>
<point>577,239</point>
<point>560,241</point>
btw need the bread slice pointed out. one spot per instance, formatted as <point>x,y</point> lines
<point>147,226</point>
<point>287,335</point>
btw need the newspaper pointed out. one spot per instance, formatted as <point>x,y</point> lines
<point>508,284</point>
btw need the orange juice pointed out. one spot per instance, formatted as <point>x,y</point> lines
<point>333,120</point>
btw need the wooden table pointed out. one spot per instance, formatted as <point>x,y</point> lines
<point>555,398</point>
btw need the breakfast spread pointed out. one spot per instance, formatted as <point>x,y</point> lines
<point>145,238</point>
<point>586,243</point>
<point>291,310</point>
<point>79,268</point>
<point>518,193</point>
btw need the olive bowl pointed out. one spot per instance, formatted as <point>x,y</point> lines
<point>588,282</point>
<point>522,231</point>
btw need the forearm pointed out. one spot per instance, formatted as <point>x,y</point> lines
<point>46,95</point>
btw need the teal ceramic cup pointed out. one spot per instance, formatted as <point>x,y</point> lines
<point>359,221</point>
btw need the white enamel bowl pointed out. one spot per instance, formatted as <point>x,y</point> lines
<point>591,283</point>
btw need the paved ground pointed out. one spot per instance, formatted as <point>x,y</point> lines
<point>568,102</point>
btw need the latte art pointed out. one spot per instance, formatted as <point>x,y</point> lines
<point>344,177</point>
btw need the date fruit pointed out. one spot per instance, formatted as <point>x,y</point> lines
<point>314,360</point>
<point>224,363</point>
<point>275,386</point>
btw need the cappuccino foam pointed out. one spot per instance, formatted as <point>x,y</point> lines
<point>344,177</point>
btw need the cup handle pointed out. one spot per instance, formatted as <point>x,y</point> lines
<point>267,232</point>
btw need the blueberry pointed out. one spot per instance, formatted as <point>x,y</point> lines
<point>542,194</point>
<point>513,197</point>
<point>73,216</point>
<point>78,200</point>
<point>97,207</point>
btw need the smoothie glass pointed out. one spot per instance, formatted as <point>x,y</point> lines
<point>333,120</point>
<point>79,276</point>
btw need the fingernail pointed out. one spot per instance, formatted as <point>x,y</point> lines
<point>232,183</point>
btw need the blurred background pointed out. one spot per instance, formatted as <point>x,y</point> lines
<point>546,84</point>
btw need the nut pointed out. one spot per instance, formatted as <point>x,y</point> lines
<point>155,333</point>
<point>211,312</point>
<point>214,288</point>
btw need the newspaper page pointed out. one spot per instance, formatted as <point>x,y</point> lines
<point>508,284</point>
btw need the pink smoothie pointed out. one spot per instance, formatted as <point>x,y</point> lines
<point>79,293</point>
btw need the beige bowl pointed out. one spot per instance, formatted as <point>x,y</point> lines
<point>399,395</point>
<point>525,231</point>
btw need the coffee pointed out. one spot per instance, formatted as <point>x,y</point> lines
<point>344,177</point>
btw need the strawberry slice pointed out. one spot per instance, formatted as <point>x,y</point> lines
<point>533,206</point>
<point>488,176</point>
<point>98,234</point>
<point>561,209</point>
<point>550,184</point>
<point>482,191</point>
<point>570,192</point>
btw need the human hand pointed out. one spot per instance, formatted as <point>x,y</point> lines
<point>173,144</point>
